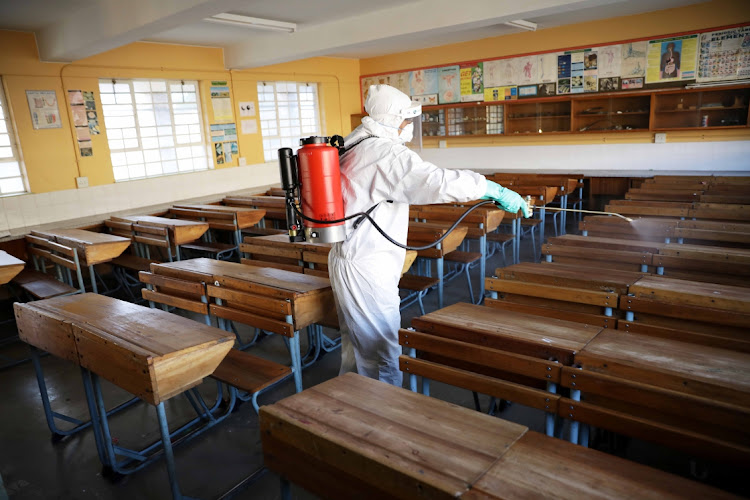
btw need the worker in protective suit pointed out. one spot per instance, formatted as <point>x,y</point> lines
<point>378,170</point>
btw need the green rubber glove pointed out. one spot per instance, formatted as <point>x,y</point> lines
<point>510,201</point>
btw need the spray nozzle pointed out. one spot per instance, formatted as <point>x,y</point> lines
<point>530,204</point>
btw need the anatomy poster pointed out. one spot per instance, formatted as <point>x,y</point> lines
<point>608,60</point>
<point>671,59</point>
<point>423,82</point>
<point>724,55</point>
<point>449,85</point>
<point>472,88</point>
<point>501,72</point>
<point>633,60</point>
<point>400,81</point>
<point>528,70</point>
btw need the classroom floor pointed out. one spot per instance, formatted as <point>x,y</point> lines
<point>33,467</point>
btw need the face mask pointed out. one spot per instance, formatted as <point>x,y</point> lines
<point>407,133</point>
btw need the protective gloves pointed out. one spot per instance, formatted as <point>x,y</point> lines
<point>510,201</point>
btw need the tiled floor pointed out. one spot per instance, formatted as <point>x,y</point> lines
<point>34,467</point>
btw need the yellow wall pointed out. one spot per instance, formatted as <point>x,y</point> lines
<point>695,17</point>
<point>51,156</point>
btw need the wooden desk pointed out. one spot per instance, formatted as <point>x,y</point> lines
<point>9,267</point>
<point>721,265</point>
<point>424,233</point>
<point>540,467</point>
<point>246,217</point>
<point>522,352</point>
<point>275,206</point>
<point>603,252</point>
<point>691,397</point>
<point>352,437</point>
<point>356,437</point>
<point>694,311</point>
<point>274,300</point>
<point>150,353</point>
<point>182,231</point>
<point>564,291</point>
<point>644,229</point>
<point>93,248</point>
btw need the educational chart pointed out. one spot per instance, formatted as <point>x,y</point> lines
<point>43,109</point>
<point>472,88</point>
<point>423,85</point>
<point>449,85</point>
<point>633,59</point>
<point>671,59</point>
<point>224,141</point>
<point>721,55</point>
<point>724,55</point>
<point>221,102</point>
<point>85,119</point>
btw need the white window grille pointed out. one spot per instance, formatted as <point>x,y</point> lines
<point>154,127</point>
<point>11,174</point>
<point>288,111</point>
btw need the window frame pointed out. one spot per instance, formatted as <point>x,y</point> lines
<point>281,138</point>
<point>14,144</point>
<point>204,144</point>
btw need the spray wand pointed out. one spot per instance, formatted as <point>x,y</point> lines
<point>530,205</point>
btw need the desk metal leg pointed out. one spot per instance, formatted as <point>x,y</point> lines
<point>440,263</point>
<point>168,453</point>
<point>425,386</point>
<point>564,214</point>
<point>412,377</point>
<point>294,351</point>
<point>286,489</point>
<point>584,438</point>
<point>93,279</point>
<point>541,226</point>
<point>516,235</point>
<point>549,427</point>
<point>482,266</point>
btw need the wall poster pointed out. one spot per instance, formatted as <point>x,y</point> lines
<point>671,59</point>
<point>472,88</point>
<point>43,109</point>
<point>449,85</point>
<point>724,55</point>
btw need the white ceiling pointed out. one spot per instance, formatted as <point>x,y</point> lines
<point>73,29</point>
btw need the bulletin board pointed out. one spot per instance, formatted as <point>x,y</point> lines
<point>715,55</point>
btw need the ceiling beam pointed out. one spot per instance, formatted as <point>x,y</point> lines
<point>426,16</point>
<point>108,24</point>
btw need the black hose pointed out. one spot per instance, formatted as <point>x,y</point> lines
<point>380,230</point>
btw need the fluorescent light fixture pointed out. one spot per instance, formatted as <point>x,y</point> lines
<point>252,22</point>
<point>524,25</point>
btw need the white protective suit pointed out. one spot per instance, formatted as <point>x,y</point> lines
<point>365,268</point>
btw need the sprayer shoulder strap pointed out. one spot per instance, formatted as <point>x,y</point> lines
<point>346,149</point>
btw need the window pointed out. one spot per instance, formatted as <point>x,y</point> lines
<point>153,127</point>
<point>288,111</point>
<point>11,177</point>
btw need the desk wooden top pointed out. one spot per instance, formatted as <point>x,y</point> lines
<point>246,216</point>
<point>368,433</point>
<point>607,243</point>
<point>148,352</point>
<point>423,233</point>
<point>693,293</point>
<point>705,252</point>
<point>487,215</point>
<point>256,201</point>
<point>183,231</point>
<point>537,466</point>
<point>715,225</point>
<point>714,373</point>
<point>212,270</point>
<point>276,240</point>
<point>9,267</point>
<point>526,334</point>
<point>571,275</point>
<point>93,248</point>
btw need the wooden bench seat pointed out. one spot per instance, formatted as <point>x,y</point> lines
<point>133,262</point>
<point>462,257</point>
<point>416,283</point>
<point>249,373</point>
<point>262,231</point>
<point>217,249</point>
<point>41,285</point>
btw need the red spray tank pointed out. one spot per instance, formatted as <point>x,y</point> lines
<point>318,179</point>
